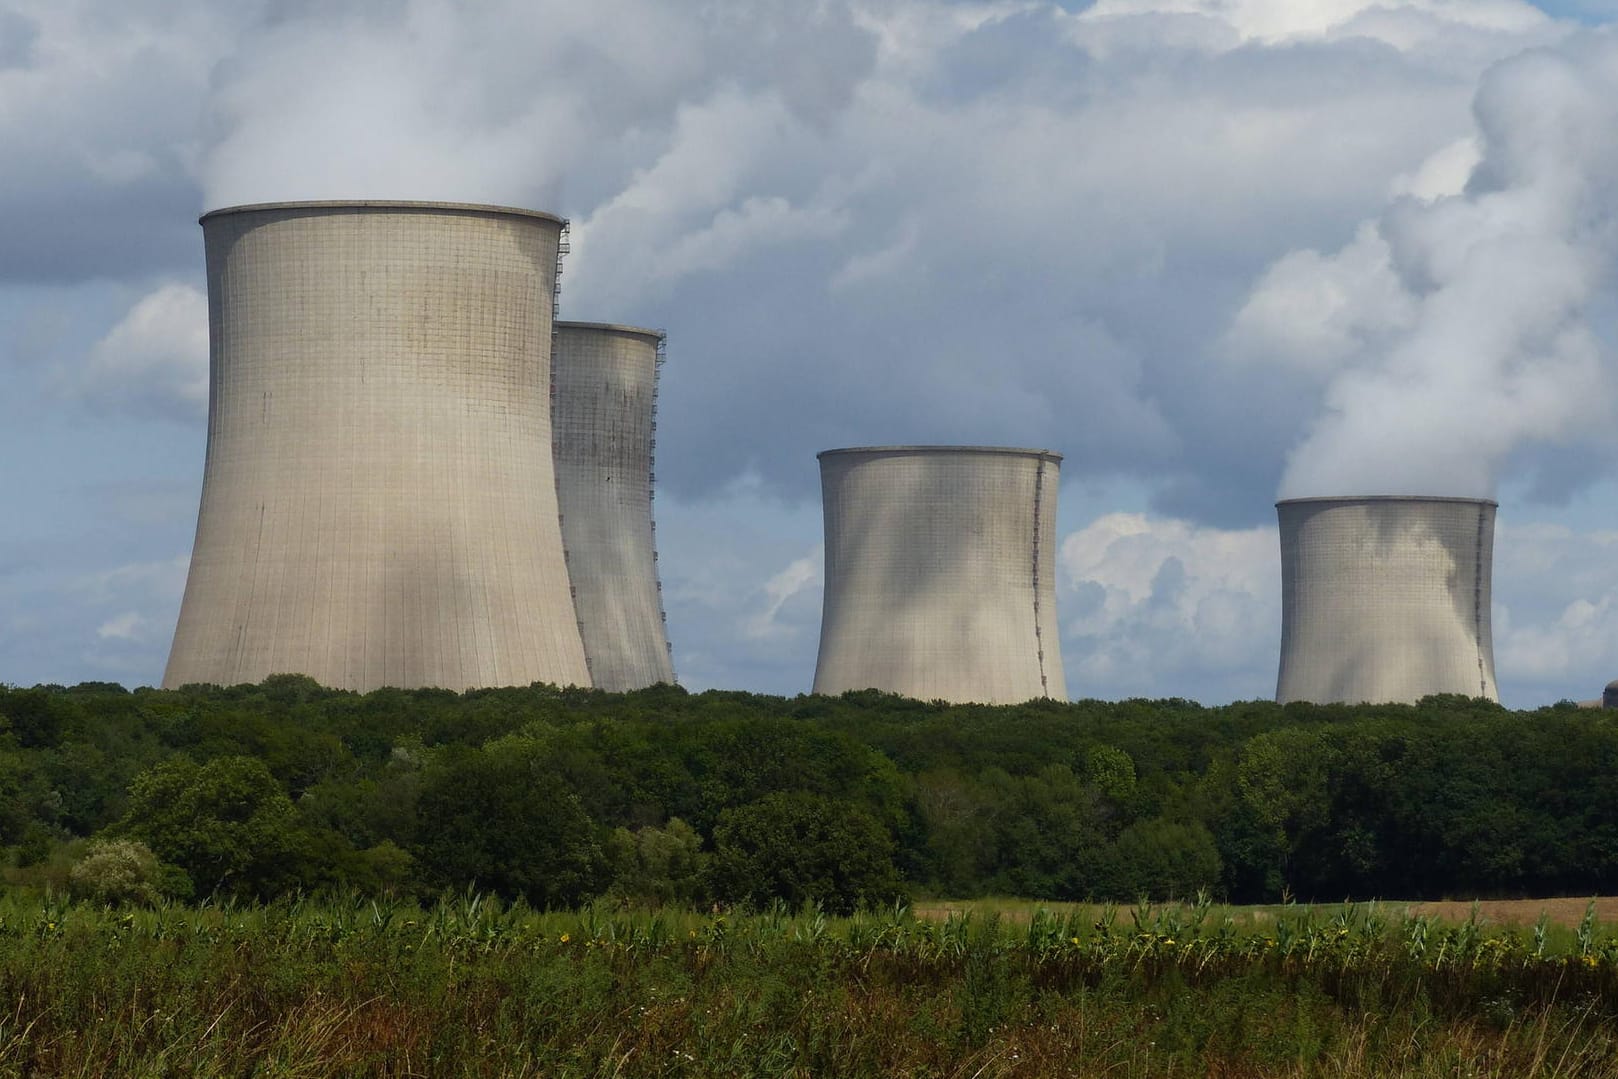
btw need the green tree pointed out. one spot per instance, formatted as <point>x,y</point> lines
<point>1112,773</point>
<point>31,717</point>
<point>659,865</point>
<point>959,848</point>
<point>1049,839</point>
<point>495,821</point>
<point>1162,859</point>
<point>1283,801</point>
<point>800,847</point>
<point>226,823</point>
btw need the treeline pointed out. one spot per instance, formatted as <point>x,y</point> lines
<point>559,796</point>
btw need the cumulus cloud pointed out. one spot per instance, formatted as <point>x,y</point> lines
<point>1442,175</point>
<point>1555,611</point>
<point>741,586</point>
<point>66,626</point>
<point>154,362</point>
<point>800,576</point>
<point>1277,20</point>
<point>1158,607</point>
<point>692,205</point>
<point>128,626</point>
<point>1316,312</point>
<point>1461,329</point>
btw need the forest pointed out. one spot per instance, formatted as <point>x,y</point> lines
<point>729,799</point>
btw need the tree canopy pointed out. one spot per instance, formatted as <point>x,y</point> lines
<point>558,795</point>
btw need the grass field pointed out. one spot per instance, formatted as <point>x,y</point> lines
<point>469,988</point>
<point>1566,912</point>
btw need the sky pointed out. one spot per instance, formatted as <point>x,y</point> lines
<point>1215,252</point>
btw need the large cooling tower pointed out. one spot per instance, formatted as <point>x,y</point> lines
<point>940,573</point>
<point>604,406</point>
<point>1385,599</point>
<point>378,505</point>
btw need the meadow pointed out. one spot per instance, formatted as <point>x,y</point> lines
<point>468,986</point>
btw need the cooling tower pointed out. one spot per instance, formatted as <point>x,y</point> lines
<point>604,408</point>
<point>378,504</point>
<point>1385,599</point>
<point>940,573</point>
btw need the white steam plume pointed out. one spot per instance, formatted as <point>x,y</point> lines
<point>506,101</point>
<point>1466,327</point>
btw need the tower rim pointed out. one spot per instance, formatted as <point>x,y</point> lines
<point>1013,451</point>
<point>1388,498</point>
<point>489,209</point>
<point>611,327</point>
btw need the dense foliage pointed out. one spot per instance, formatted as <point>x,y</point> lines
<point>467,987</point>
<point>557,796</point>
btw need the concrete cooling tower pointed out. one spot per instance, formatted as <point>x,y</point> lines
<point>378,504</point>
<point>940,573</point>
<point>1385,599</point>
<point>604,408</point>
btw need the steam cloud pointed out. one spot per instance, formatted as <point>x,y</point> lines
<point>1467,329</point>
<point>934,185</point>
<point>501,102</point>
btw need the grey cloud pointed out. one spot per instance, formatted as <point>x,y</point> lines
<point>98,126</point>
<point>18,33</point>
<point>1006,223</point>
<point>1048,228</point>
<point>1553,475</point>
<point>76,232</point>
<point>1003,220</point>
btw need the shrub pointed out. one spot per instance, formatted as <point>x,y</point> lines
<point>388,867</point>
<point>120,871</point>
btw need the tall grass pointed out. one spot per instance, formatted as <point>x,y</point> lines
<point>468,987</point>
